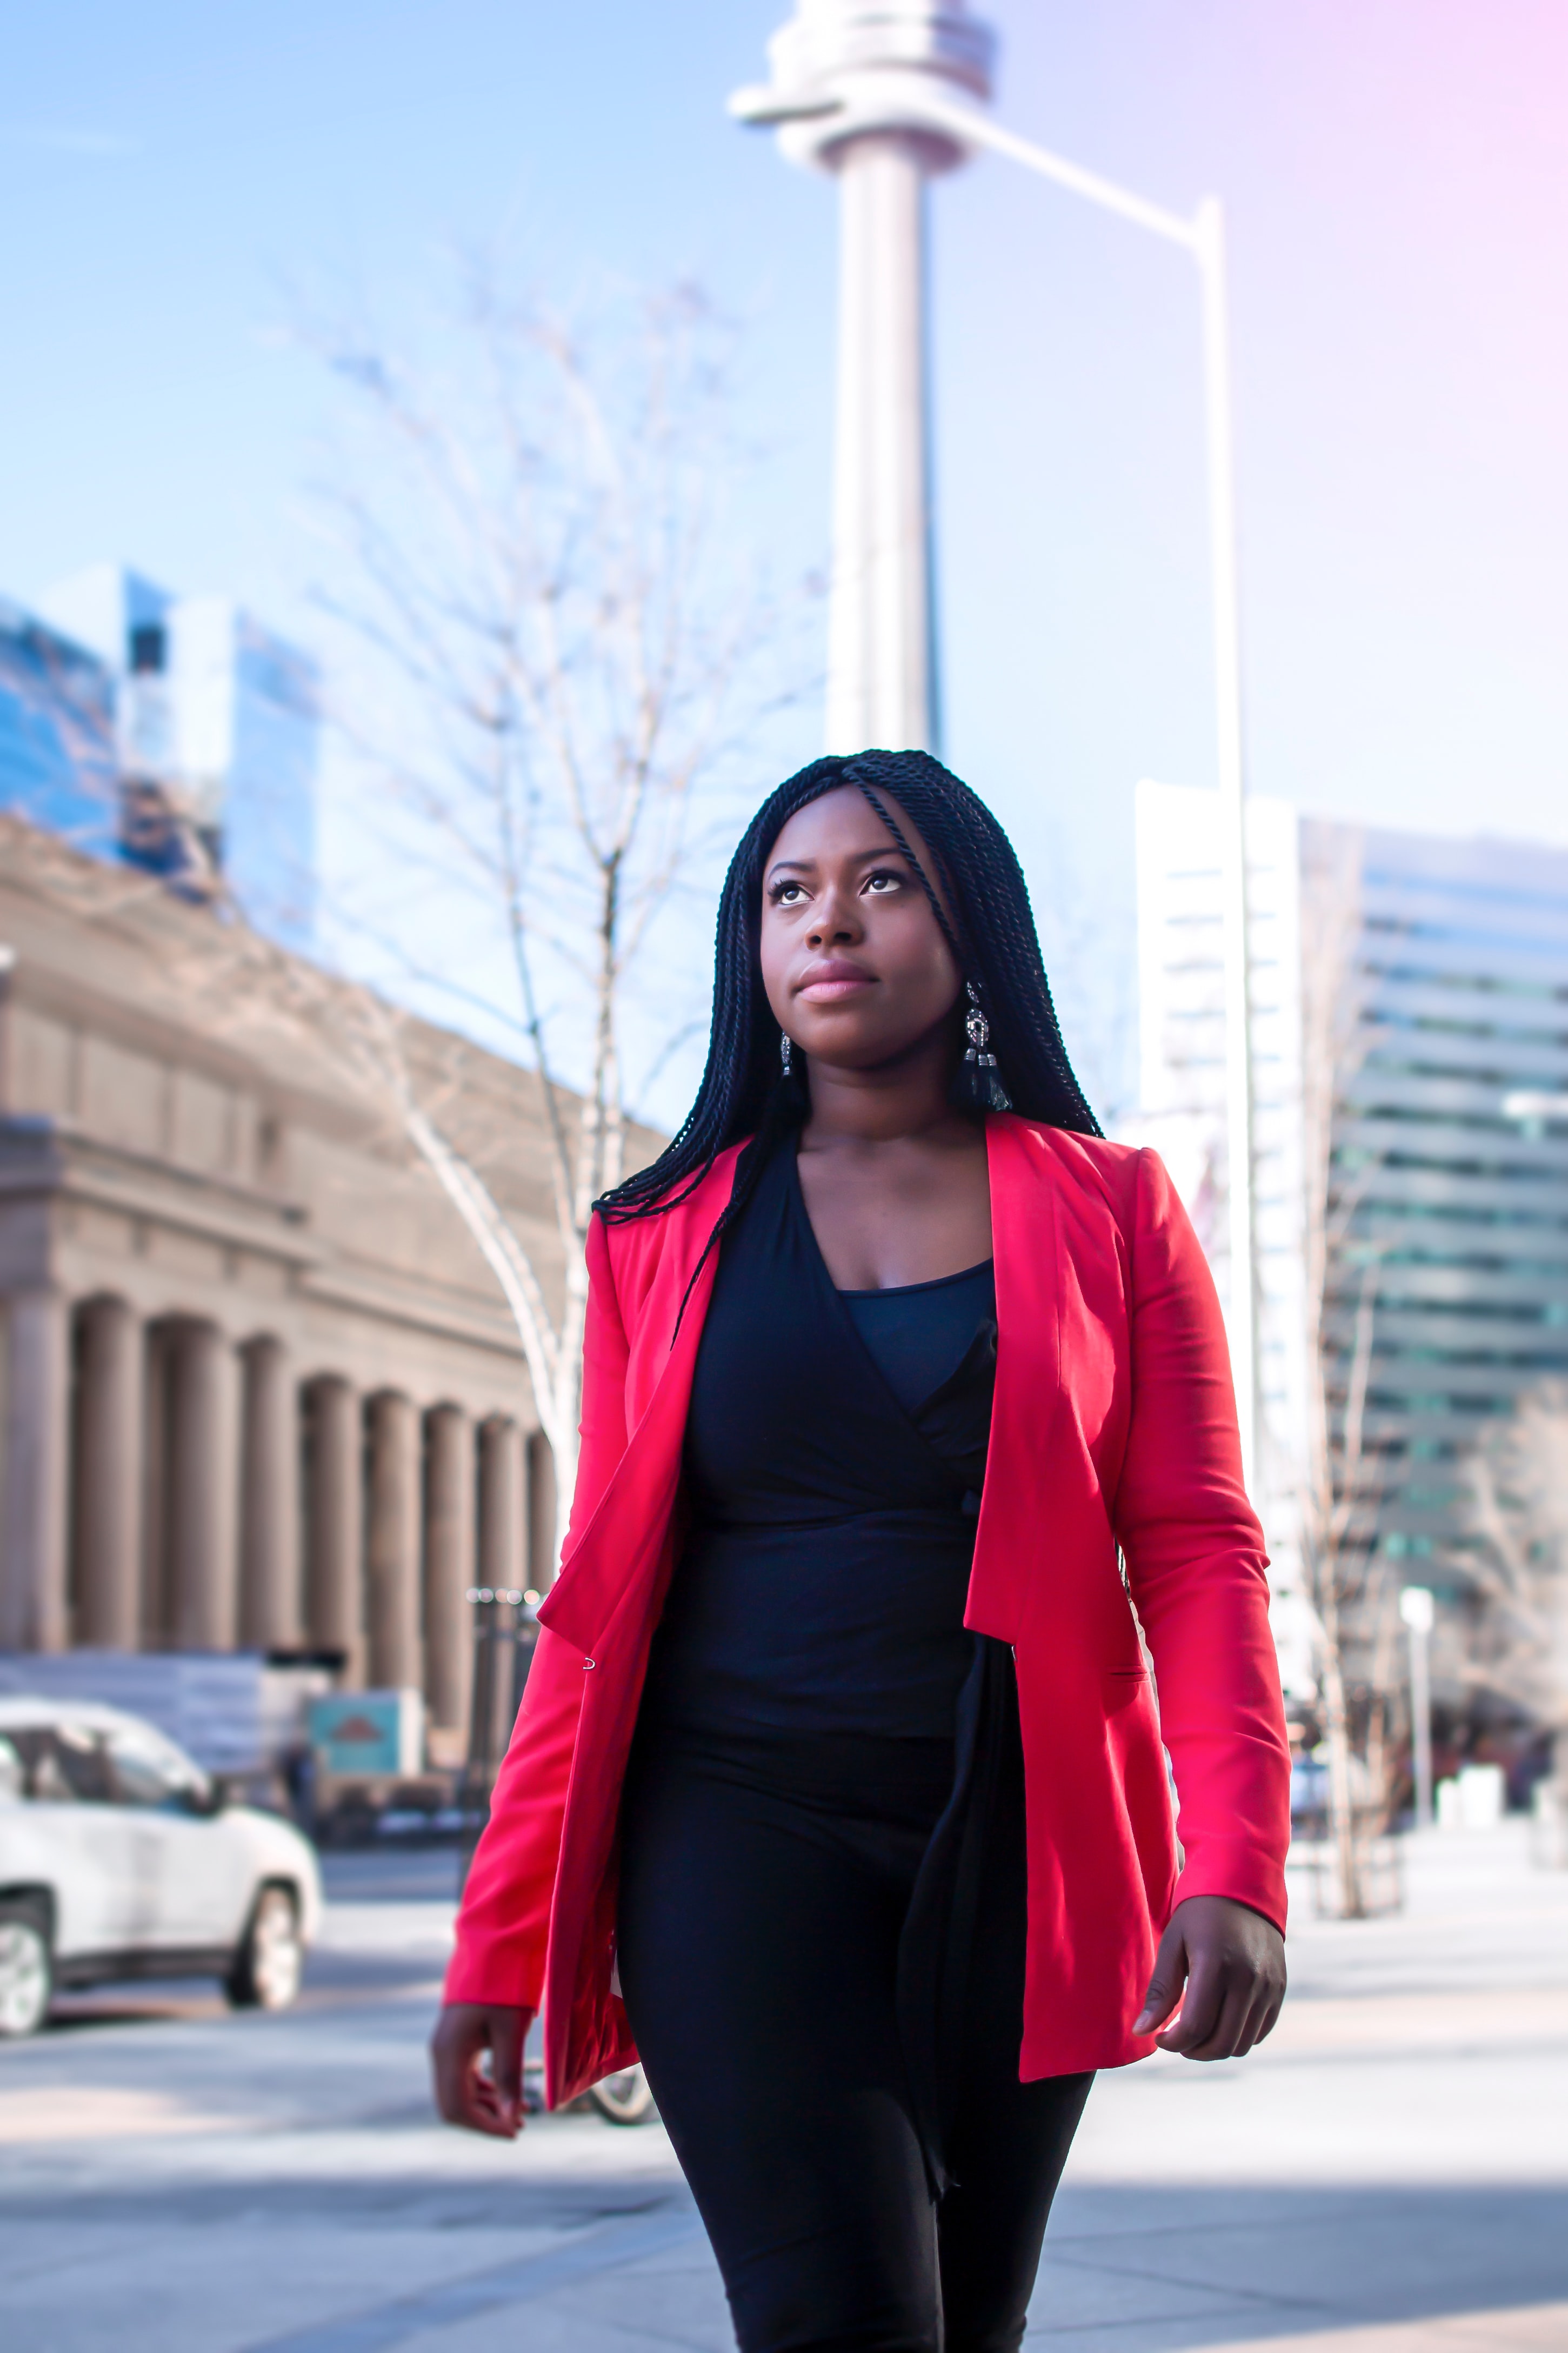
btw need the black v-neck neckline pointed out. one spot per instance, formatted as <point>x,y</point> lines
<point>882,1291</point>
<point>847,1322</point>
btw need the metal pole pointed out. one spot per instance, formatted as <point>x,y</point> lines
<point>1421,1715</point>
<point>1417,1609</point>
<point>1209,247</point>
<point>1204,235</point>
<point>497,1686</point>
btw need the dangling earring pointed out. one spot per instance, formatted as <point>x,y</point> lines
<point>979,1082</point>
<point>784,1051</point>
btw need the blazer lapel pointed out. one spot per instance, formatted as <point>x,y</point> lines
<point>1025,1245</point>
<point>630,1520</point>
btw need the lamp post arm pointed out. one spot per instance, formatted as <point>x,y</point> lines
<point>1201,236</point>
<point>977,131</point>
<point>1209,251</point>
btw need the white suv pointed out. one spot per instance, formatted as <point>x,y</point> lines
<point>118,1857</point>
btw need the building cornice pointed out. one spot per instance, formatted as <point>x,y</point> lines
<point>51,1156</point>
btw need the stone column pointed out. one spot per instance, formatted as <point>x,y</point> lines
<point>392,1544</point>
<point>448,1565</point>
<point>33,1476</point>
<point>540,1512</point>
<point>335,1597</point>
<point>269,1593</point>
<point>502,1507</point>
<point>106,1477</point>
<point>203,1490</point>
<point>157,1605</point>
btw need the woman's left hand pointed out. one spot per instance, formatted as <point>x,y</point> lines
<point>1232,1963</point>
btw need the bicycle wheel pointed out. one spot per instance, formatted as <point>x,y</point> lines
<point>623,2098</point>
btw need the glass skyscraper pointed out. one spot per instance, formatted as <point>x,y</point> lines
<point>173,733</point>
<point>1409,1001</point>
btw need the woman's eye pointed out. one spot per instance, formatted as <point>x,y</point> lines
<point>882,882</point>
<point>787,895</point>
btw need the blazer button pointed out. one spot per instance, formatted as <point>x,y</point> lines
<point>589,1662</point>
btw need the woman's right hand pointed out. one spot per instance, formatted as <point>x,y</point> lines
<point>482,2100</point>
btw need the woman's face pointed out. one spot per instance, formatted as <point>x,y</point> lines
<point>855,964</point>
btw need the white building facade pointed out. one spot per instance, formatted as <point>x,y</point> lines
<point>257,1389</point>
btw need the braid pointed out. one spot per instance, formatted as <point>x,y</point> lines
<point>990,932</point>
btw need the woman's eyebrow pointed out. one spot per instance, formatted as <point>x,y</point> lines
<point>857,858</point>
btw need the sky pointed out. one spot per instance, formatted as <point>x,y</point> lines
<point>178,179</point>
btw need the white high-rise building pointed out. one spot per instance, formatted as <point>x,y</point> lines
<point>1410,1054</point>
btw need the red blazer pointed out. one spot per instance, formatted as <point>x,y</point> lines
<point>1113,1425</point>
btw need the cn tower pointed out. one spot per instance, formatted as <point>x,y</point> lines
<point>850,83</point>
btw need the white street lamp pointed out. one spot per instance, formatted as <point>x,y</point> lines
<point>1418,1610</point>
<point>859,88</point>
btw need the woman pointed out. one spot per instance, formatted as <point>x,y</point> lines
<point>838,1789</point>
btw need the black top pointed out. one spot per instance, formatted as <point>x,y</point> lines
<point>835,1451</point>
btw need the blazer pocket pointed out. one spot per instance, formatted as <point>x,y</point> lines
<point>1121,1685</point>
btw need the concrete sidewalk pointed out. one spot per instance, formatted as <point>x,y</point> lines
<point>1389,2175</point>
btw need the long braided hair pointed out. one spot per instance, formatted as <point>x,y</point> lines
<point>990,932</point>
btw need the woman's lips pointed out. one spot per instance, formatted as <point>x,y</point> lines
<point>828,983</point>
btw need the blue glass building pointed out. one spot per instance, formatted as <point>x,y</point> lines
<point>172,733</point>
<point>58,767</point>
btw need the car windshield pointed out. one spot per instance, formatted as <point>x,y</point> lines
<point>149,1771</point>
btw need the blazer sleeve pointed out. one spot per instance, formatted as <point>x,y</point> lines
<point>1197,1568</point>
<point>504,1923</point>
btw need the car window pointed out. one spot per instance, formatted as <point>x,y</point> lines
<point>13,1773</point>
<point>62,1762</point>
<point>148,1772</point>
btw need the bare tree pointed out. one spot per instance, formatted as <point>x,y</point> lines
<point>1343,1476</point>
<point>1517,1493</point>
<point>558,662</point>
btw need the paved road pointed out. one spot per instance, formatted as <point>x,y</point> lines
<point>1389,2176</point>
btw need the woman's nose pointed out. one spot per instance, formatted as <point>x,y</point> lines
<point>836,919</point>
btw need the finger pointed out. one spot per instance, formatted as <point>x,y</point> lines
<point>1252,2022</point>
<point>453,2049</point>
<point>509,2031</point>
<point>486,2114</point>
<point>1271,2001</point>
<point>1271,2010</point>
<point>1164,1982</point>
<point>485,2108</point>
<point>1201,2007</point>
<point>1223,2041</point>
<point>464,2092</point>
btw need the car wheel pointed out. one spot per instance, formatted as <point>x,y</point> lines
<point>26,1969</point>
<point>624,2098</point>
<point>271,1960</point>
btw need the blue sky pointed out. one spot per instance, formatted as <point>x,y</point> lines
<point>175,176</point>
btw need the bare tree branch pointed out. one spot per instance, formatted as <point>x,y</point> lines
<point>558,662</point>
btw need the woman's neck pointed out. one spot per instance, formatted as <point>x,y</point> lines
<point>901,1102</point>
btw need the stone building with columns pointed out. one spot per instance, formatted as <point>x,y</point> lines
<point>259,1389</point>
